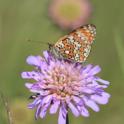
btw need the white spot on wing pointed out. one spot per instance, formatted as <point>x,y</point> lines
<point>67,52</point>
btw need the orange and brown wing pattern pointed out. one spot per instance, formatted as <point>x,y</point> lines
<point>77,44</point>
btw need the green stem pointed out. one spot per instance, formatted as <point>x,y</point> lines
<point>67,119</point>
<point>5,102</point>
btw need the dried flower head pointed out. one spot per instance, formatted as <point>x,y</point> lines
<point>70,14</point>
<point>63,85</point>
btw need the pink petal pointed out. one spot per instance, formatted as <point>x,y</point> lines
<point>62,115</point>
<point>31,75</point>
<point>101,99</point>
<point>87,90</point>
<point>88,68</point>
<point>46,55</point>
<point>45,104</point>
<point>28,85</point>
<point>44,110</point>
<point>103,81</point>
<point>76,99</point>
<point>35,88</point>
<point>34,103</point>
<point>33,60</point>
<point>54,107</point>
<point>84,112</point>
<point>95,70</point>
<point>91,104</point>
<point>73,109</point>
<point>47,99</point>
<point>38,111</point>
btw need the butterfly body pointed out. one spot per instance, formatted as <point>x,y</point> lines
<point>76,45</point>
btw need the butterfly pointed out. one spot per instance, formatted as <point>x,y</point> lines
<point>76,45</point>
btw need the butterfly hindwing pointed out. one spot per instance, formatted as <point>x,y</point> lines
<point>76,45</point>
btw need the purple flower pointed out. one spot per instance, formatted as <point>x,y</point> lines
<point>64,85</point>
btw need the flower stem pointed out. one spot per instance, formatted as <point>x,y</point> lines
<point>67,119</point>
<point>5,101</point>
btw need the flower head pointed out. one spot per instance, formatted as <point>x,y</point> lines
<point>63,85</point>
<point>70,14</point>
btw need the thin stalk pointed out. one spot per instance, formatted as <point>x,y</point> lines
<point>5,102</point>
<point>67,119</point>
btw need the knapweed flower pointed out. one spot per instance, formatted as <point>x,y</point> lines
<point>70,14</point>
<point>63,85</point>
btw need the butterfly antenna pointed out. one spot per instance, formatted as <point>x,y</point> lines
<point>39,42</point>
<point>6,104</point>
<point>33,41</point>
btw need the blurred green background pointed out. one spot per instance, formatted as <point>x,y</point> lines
<point>21,20</point>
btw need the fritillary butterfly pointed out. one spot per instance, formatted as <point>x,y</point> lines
<point>76,45</point>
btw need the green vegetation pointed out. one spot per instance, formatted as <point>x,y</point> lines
<point>21,20</point>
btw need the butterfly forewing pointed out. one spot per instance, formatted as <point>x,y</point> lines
<point>76,45</point>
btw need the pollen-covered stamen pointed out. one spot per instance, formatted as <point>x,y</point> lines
<point>63,83</point>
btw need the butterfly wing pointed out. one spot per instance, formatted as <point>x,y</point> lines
<point>77,44</point>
